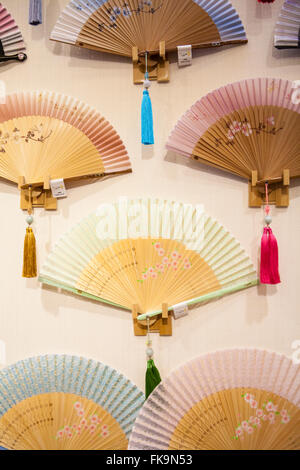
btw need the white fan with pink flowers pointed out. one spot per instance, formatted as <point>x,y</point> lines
<point>234,399</point>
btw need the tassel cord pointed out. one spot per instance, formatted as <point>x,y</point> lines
<point>152,378</point>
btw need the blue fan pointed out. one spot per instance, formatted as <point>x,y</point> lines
<point>66,403</point>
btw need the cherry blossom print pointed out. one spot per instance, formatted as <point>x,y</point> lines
<point>104,427</point>
<point>248,397</point>
<point>271,417</point>
<point>77,405</point>
<point>245,128</point>
<point>257,422</point>
<point>267,413</point>
<point>93,427</point>
<point>60,434</point>
<point>175,261</point>
<point>239,432</point>
<point>94,419</point>
<point>236,127</point>
<point>117,11</point>
<point>269,406</point>
<point>253,403</point>
<point>126,12</point>
<point>80,413</point>
<point>34,134</point>
<point>105,433</point>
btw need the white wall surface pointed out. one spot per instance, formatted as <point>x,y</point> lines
<point>36,320</point>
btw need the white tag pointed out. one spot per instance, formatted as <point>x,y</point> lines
<point>184,55</point>
<point>180,310</point>
<point>58,188</point>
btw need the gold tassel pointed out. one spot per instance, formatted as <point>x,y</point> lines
<point>29,257</point>
<point>29,254</point>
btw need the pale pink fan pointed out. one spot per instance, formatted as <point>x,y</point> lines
<point>234,399</point>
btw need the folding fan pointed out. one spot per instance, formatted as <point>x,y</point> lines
<point>12,45</point>
<point>117,26</point>
<point>251,129</point>
<point>148,252</point>
<point>228,400</point>
<point>45,136</point>
<point>66,403</point>
<point>247,126</point>
<point>287,32</point>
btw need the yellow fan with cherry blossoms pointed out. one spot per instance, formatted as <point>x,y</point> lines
<point>48,138</point>
<point>147,252</point>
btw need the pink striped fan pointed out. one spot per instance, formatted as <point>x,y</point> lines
<point>46,139</point>
<point>229,400</point>
<point>12,45</point>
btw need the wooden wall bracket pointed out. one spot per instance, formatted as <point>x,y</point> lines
<point>41,195</point>
<point>158,66</point>
<point>161,324</point>
<point>278,191</point>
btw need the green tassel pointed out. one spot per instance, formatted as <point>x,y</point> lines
<point>152,377</point>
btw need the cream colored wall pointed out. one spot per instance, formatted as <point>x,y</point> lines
<point>35,320</point>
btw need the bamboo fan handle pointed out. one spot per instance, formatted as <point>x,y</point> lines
<point>19,57</point>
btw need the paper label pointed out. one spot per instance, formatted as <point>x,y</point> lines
<point>58,188</point>
<point>180,310</point>
<point>184,55</point>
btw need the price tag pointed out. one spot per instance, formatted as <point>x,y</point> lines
<point>180,310</point>
<point>184,55</point>
<point>58,188</point>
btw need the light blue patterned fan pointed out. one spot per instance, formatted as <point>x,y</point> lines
<point>66,402</point>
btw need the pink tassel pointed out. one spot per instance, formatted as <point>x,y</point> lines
<point>269,258</point>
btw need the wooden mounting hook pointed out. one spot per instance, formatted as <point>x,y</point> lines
<point>161,324</point>
<point>36,195</point>
<point>158,66</point>
<point>278,190</point>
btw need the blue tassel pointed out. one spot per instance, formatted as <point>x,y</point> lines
<point>35,12</point>
<point>147,120</point>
